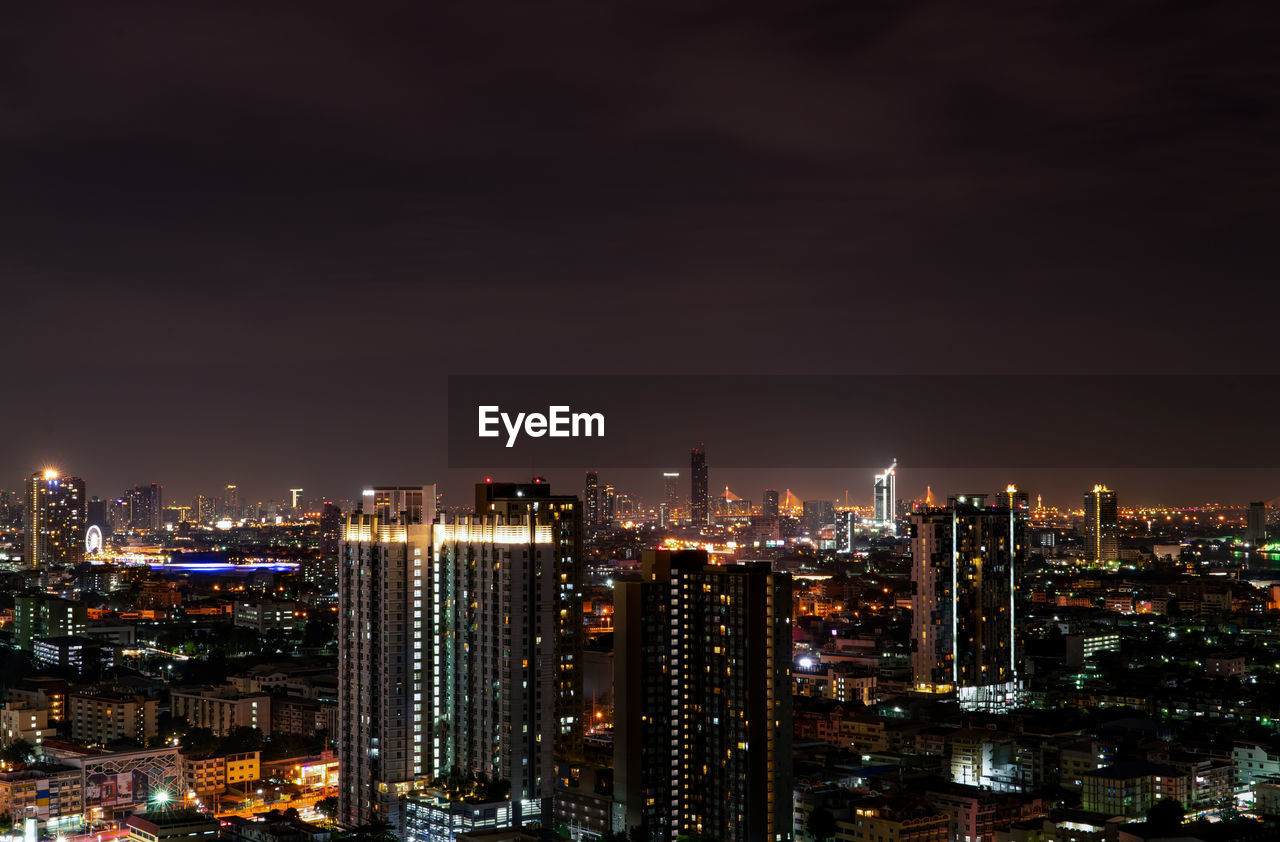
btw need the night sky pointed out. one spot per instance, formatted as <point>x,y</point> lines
<point>246,242</point>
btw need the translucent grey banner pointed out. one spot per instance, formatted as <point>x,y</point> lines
<point>808,421</point>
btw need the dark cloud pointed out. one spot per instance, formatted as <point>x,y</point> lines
<point>223,221</point>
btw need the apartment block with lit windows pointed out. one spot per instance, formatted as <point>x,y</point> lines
<point>702,700</point>
<point>222,709</point>
<point>103,716</point>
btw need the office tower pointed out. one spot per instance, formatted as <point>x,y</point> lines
<point>702,699</point>
<point>401,503</point>
<point>964,563</point>
<point>54,520</point>
<point>323,571</point>
<point>885,499</point>
<point>385,733</point>
<point>231,502</point>
<point>591,499</point>
<point>145,508</point>
<point>295,499</point>
<point>698,500</point>
<point>1101,525</point>
<point>562,514</point>
<point>608,505</point>
<point>204,507</point>
<point>1256,524</point>
<point>817,514</point>
<point>770,506</point>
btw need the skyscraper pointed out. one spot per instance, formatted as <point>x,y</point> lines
<point>885,498</point>
<point>770,505</point>
<point>670,496</point>
<point>231,502</point>
<point>817,514</point>
<point>495,700</point>
<point>1101,525</point>
<point>964,563</point>
<point>1256,524</point>
<point>205,511</point>
<point>698,500</point>
<point>456,646</point>
<point>702,700</point>
<point>562,514</point>
<point>608,504</point>
<point>146,507</point>
<point>385,730</point>
<point>323,570</point>
<point>591,499</point>
<point>54,520</point>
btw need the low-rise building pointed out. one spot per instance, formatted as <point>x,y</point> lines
<point>1131,788</point>
<point>212,774</point>
<point>84,655</point>
<point>20,721</point>
<point>52,793</point>
<point>101,716</point>
<point>174,826</point>
<point>222,709</point>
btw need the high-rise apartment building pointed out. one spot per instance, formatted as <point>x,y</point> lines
<point>145,507</point>
<point>206,512</point>
<point>698,499</point>
<point>608,504</point>
<point>385,731</point>
<point>323,570</point>
<point>964,562</point>
<point>563,516</point>
<point>591,499</point>
<point>459,648</point>
<point>494,697</point>
<point>769,508</point>
<point>817,514</point>
<point>54,520</point>
<point>885,499</point>
<point>231,502</point>
<point>702,700</point>
<point>1101,525</point>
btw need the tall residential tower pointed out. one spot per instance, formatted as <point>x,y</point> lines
<point>964,562</point>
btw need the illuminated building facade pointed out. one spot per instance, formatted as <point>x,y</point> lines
<point>55,520</point>
<point>1101,524</point>
<point>885,499</point>
<point>385,730</point>
<point>323,571</point>
<point>702,700</point>
<point>591,499</point>
<point>965,560</point>
<point>698,500</point>
<point>492,639</point>
<point>562,514</point>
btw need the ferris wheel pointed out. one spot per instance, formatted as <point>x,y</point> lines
<point>93,540</point>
